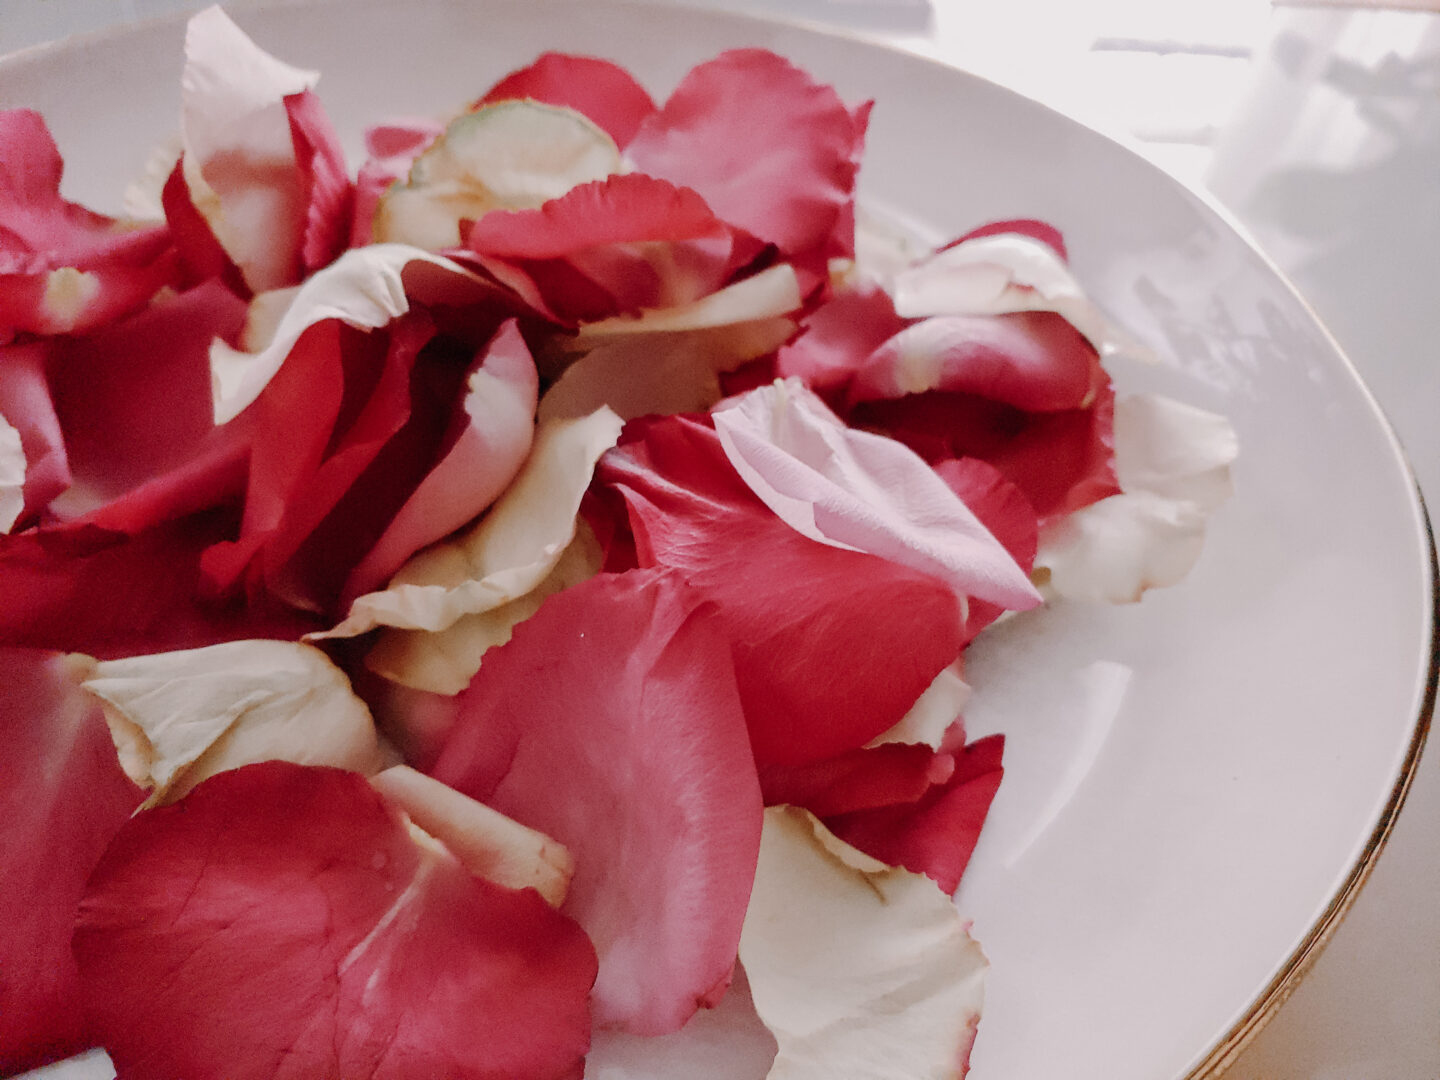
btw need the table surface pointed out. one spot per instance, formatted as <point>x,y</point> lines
<point>1319,128</point>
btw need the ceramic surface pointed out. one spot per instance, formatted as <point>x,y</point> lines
<point>1191,782</point>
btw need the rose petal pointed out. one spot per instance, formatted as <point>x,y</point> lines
<point>857,779</point>
<point>612,247</point>
<point>510,551</point>
<point>769,148</point>
<point>486,842</point>
<point>12,475</point>
<point>856,490</point>
<point>393,148</point>
<point>766,295</point>
<point>25,404</point>
<point>661,373</point>
<point>619,694</point>
<point>1034,360</point>
<point>603,91</point>
<point>64,268</point>
<point>179,718</point>
<point>511,155</point>
<point>934,711</point>
<point>831,646</point>
<point>63,796</point>
<point>995,273</point>
<point>239,164</point>
<point>839,337</point>
<point>444,661</point>
<point>858,970</point>
<point>366,289</point>
<point>496,421</point>
<point>281,922</point>
<point>935,835</point>
<point>329,194</point>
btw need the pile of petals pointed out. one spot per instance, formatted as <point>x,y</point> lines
<point>503,606</point>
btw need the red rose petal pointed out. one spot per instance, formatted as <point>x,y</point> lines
<point>936,835</point>
<point>601,90</point>
<point>839,337</point>
<point>280,922</point>
<point>329,194</point>
<point>199,252</point>
<point>1033,360</point>
<point>612,247</point>
<point>831,646</point>
<point>769,148</point>
<point>134,399</point>
<point>105,270</point>
<point>25,403</point>
<point>610,722</point>
<point>392,147</point>
<point>489,438</point>
<point>63,796</point>
<point>864,779</point>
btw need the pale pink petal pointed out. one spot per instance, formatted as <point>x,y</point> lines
<point>865,492</point>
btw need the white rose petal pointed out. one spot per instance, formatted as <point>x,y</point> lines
<point>932,714</point>
<point>768,294</point>
<point>12,476</point>
<point>859,970</point>
<point>180,717</point>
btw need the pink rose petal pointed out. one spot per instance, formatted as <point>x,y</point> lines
<point>831,646</point>
<point>25,404</point>
<point>866,492</point>
<point>770,149</point>
<point>864,779</point>
<point>281,923</point>
<point>611,723</point>
<point>601,90</point>
<point>393,148</point>
<point>839,337</point>
<point>63,796</point>
<point>1043,231</point>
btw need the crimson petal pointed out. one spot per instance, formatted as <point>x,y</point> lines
<point>25,403</point>
<point>936,835</point>
<point>610,721</point>
<point>329,194</point>
<point>839,337</point>
<point>864,779</point>
<point>63,796</point>
<point>601,90</point>
<point>769,148</point>
<point>831,646</point>
<point>281,923</point>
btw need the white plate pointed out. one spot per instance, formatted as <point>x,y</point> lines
<point>1195,786</point>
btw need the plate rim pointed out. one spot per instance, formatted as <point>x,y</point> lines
<point>1251,1020</point>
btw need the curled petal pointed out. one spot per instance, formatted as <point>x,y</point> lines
<point>1035,361</point>
<point>1173,465</point>
<point>839,337</point>
<point>859,970</point>
<point>601,90</point>
<point>366,289</point>
<point>329,194</point>
<point>769,148</point>
<point>12,475</point>
<point>857,490</point>
<point>64,796</point>
<point>510,551</point>
<point>992,273</point>
<point>181,717</point>
<point>63,268</point>
<point>393,148</point>
<point>239,165</point>
<point>619,693</point>
<point>496,421</point>
<point>766,295</point>
<point>934,711</point>
<point>26,405</point>
<point>282,922</point>
<point>661,373</point>
<point>831,646</point>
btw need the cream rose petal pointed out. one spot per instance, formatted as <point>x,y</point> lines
<point>661,373</point>
<point>854,489</point>
<point>239,157</point>
<point>444,662</point>
<point>765,295</point>
<point>180,717</point>
<point>12,475</point>
<point>512,548</point>
<point>487,843</point>
<point>365,288</point>
<point>1002,273</point>
<point>1173,462</point>
<point>859,970</point>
